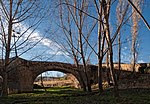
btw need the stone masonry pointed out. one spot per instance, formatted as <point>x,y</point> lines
<point>22,73</point>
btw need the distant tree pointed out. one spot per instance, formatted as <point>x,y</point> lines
<point>120,13</point>
<point>134,31</point>
<point>139,12</point>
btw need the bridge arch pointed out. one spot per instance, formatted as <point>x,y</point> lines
<point>55,69</point>
<point>24,72</point>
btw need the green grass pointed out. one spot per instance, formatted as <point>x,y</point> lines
<point>67,95</point>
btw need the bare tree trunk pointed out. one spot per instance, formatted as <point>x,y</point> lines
<point>116,94</point>
<point>4,85</point>
<point>106,12</point>
<point>6,62</point>
<point>42,84</point>
<point>119,57</point>
<point>84,85</point>
<point>83,59</point>
<point>80,76</point>
<point>135,19</point>
<point>119,15</point>
<point>100,85</point>
<point>80,27</point>
<point>108,69</point>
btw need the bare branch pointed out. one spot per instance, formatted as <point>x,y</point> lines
<point>143,18</point>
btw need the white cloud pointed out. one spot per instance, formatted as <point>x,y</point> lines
<point>36,36</point>
<point>125,47</point>
<point>141,61</point>
<point>32,36</point>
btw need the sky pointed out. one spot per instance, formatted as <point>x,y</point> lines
<point>52,51</point>
<point>143,43</point>
<point>49,50</point>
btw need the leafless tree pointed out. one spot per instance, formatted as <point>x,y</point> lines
<point>134,31</point>
<point>18,19</point>
<point>71,47</point>
<point>78,38</point>
<point>105,13</point>
<point>105,35</point>
<point>139,12</point>
<point>120,13</point>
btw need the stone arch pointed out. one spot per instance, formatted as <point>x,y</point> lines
<point>23,73</point>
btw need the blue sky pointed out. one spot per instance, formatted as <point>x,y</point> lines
<point>49,50</point>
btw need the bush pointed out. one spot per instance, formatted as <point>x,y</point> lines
<point>36,86</point>
<point>147,70</point>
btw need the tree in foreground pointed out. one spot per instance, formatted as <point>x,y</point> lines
<point>18,20</point>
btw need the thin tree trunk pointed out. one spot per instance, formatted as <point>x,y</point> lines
<point>82,52</point>
<point>108,69</point>
<point>42,84</point>
<point>80,76</point>
<point>100,85</point>
<point>135,20</point>
<point>5,76</point>
<point>106,11</point>
<point>119,57</point>
<point>84,63</point>
<point>85,70</point>
<point>116,94</point>
<point>4,85</point>
<point>84,85</point>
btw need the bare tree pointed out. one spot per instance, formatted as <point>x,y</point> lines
<point>105,13</point>
<point>135,21</point>
<point>78,40</point>
<point>70,37</point>
<point>139,13</point>
<point>101,42</point>
<point>120,13</point>
<point>21,18</point>
<point>104,32</point>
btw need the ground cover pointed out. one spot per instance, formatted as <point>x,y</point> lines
<point>66,95</point>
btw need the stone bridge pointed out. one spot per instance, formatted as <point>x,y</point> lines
<point>22,73</point>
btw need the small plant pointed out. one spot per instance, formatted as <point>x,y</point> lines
<point>36,86</point>
<point>147,70</point>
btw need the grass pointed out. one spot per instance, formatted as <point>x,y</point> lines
<point>66,95</point>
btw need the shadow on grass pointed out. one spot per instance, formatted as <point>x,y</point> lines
<point>61,91</point>
<point>67,95</point>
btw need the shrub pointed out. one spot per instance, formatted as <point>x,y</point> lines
<point>147,70</point>
<point>36,86</point>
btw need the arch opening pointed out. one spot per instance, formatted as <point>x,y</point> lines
<point>51,79</point>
